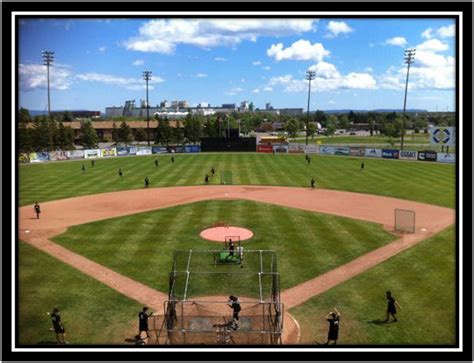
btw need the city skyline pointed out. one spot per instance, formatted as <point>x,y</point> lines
<point>358,62</point>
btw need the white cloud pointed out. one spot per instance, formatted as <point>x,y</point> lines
<point>32,76</point>
<point>399,41</point>
<point>338,27</point>
<point>102,49</point>
<point>220,59</point>
<point>256,63</point>
<point>368,69</point>
<point>328,78</point>
<point>268,89</point>
<point>266,68</point>
<point>447,31</point>
<point>138,62</point>
<point>201,75</point>
<point>299,50</point>
<point>256,90</point>
<point>432,45</point>
<point>163,35</point>
<point>233,91</point>
<point>331,102</point>
<point>427,34</point>
<point>132,84</point>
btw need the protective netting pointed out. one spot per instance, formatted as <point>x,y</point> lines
<point>404,221</point>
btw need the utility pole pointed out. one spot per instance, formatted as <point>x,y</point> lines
<point>409,59</point>
<point>48,58</point>
<point>147,77</point>
<point>310,75</point>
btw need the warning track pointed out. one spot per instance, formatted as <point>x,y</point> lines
<point>58,215</point>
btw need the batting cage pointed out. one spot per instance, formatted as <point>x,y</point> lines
<point>192,316</point>
<point>226,177</point>
<point>405,221</point>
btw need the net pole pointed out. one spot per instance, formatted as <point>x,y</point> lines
<point>260,285</point>
<point>261,261</point>
<point>187,274</point>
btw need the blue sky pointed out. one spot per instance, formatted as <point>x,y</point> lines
<point>358,62</point>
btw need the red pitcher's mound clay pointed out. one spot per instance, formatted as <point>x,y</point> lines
<point>219,234</point>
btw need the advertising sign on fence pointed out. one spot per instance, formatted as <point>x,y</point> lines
<point>109,152</point>
<point>357,151</point>
<point>58,155</point>
<point>427,155</point>
<point>75,154</point>
<point>408,155</point>
<point>265,149</point>
<point>132,150</point>
<point>295,148</point>
<point>159,150</point>
<point>280,148</point>
<point>311,149</point>
<point>442,136</point>
<point>373,153</point>
<point>192,149</point>
<point>23,158</point>
<point>122,151</point>
<point>144,150</point>
<point>328,150</point>
<point>39,157</point>
<point>446,158</point>
<point>341,151</point>
<point>390,153</point>
<point>92,153</point>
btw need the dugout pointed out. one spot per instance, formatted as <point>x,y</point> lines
<point>246,144</point>
<point>192,317</point>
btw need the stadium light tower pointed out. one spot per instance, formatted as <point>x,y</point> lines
<point>48,58</point>
<point>310,75</point>
<point>409,59</point>
<point>147,77</point>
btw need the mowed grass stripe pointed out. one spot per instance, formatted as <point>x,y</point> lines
<point>307,244</point>
<point>421,279</point>
<point>399,179</point>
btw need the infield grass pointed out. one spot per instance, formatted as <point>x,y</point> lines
<point>141,246</point>
<point>92,313</point>
<point>422,280</point>
<point>419,181</point>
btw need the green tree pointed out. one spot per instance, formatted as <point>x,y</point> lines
<point>311,130</point>
<point>177,134</point>
<point>139,134</point>
<point>24,115</point>
<point>89,138</point>
<point>343,122</point>
<point>212,128</point>
<point>163,132</point>
<point>25,138</point>
<point>251,107</point>
<point>65,137</point>
<point>40,134</point>
<point>292,127</point>
<point>67,116</point>
<point>115,137</point>
<point>124,133</point>
<point>193,127</point>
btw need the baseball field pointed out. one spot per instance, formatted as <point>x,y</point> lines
<point>104,244</point>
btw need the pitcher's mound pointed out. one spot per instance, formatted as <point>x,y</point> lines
<point>219,234</point>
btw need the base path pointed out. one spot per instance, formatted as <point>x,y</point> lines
<point>58,215</point>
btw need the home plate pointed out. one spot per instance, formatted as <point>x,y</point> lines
<point>423,230</point>
<point>27,231</point>
<point>226,194</point>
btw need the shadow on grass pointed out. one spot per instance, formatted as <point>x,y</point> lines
<point>380,322</point>
<point>47,342</point>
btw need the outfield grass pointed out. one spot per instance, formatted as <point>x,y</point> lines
<point>418,181</point>
<point>92,313</point>
<point>422,279</point>
<point>141,246</point>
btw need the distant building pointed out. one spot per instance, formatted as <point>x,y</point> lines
<point>230,106</point>
<point>165,104</point>
<point>244,106</point>
<point>183,104</point>
<point>291,111</point>
<point>268,106</point>
<point>77,114</point>
<point>203,105</point>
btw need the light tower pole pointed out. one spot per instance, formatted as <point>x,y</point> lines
<point>48,58</point>
<point>310,75</point>
<point>147,77</point>
<point>409,59</point>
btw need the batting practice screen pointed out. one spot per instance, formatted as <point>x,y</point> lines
<point>404,221</point>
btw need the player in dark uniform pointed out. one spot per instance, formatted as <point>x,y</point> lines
<point>213,171</point>
<point>120,173</point>
<point>206,179</point>
<point>83,168</point>
<point>147,182</point>
<point>309,160</point>
<point>58,326</point>
<point>143,321</point>
<point>172,159</point>
<point>37,210</point>
<point>391,307</point>
<point>231,248</point>
<point>156,162</point>
<point>333,320</point>
<point>234,303</point>
<point>362,166</point>
<point>92,162</point>
<point>312,183</point>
